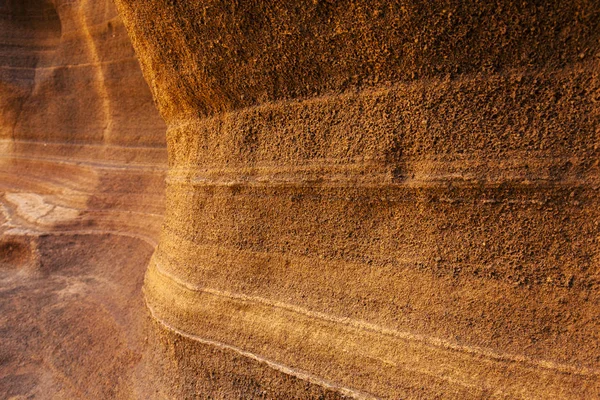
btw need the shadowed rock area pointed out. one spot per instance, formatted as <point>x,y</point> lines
<point>363,199</point>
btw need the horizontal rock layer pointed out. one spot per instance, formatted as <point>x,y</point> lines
<point>385,199</point>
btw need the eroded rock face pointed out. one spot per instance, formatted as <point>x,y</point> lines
<point>364,199</point>
<point>29,32</point>
<point>78,128</point>
<point>69,74</point>
<point>82,166</point>
<point>387,199</point>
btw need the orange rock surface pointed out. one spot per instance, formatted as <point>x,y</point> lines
<point>82,168</point>
<point>363,199</point>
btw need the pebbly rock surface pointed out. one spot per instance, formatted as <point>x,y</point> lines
<point>363,199</point>
<point>382,199</point>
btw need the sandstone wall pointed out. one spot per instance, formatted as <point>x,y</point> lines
<point>77,122</point>
<point>365,199</point>
<point>82,168</point>
<point>71,75</point>
<point>384,199</point>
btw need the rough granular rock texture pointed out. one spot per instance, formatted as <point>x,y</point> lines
<point>385,199</point>
<point>364,199</point>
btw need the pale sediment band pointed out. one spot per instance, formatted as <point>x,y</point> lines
<point>342,350</point>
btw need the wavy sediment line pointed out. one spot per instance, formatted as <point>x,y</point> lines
<point>67,232</point>
<point>534,171</point>
<point>424,182</point>
<point>69,66</point>
<point>433,341</point>
<point>354,345</point>
<point>273,364</point>
<point>92,164</point>
<point>19,229</point>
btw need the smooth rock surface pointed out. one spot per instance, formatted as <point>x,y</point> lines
<point>82,167</point>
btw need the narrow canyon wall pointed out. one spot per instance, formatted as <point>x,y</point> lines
<point>69,74</point>
<point>79,132</point>
<point>363,199</point>
<point>375,199</point>
<point>82,168</point>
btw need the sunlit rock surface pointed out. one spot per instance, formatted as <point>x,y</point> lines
<point>82,166</point>
<point>384,199</point>
<point>364,199</point>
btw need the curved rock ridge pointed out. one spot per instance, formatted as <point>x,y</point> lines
<point>383,199</point>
